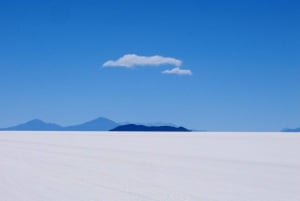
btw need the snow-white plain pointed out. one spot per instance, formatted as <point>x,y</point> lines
<point>106,166</point>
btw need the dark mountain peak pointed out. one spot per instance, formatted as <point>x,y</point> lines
<point>100,119</point>
<point>35,121</point>
<point>134,127</point>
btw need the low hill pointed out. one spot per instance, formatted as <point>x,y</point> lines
<point>291,130</point>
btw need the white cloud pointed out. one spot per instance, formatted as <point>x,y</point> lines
<point>178,71</point>
<point>133,60</point>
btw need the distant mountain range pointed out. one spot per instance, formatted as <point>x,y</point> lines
<point>134,127</point>
<point>35,125</point>
<point>291,130</point>
<point>99,124</point>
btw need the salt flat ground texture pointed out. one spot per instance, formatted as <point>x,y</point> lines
<point>91,166</point>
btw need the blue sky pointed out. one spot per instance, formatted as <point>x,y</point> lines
<point>244,57</point>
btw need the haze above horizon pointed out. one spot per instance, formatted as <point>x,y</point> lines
<point>213,65</point>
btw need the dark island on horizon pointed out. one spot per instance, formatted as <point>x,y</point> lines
<point>134,127</point>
